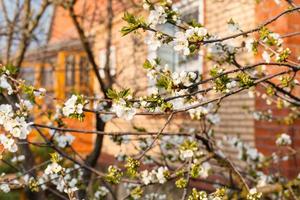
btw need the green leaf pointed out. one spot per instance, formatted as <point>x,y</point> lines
<point>139,129</point>
<point>147,65</point>
<point>128,29</point>
<point>12,69</point>
<point>112,94</point>
<point>164,82</point>
<point>133,23</point>
<point>124,93</point>
<point>130,18</point>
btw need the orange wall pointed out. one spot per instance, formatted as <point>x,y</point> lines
<point>62,26</point>
<point>266,132</point>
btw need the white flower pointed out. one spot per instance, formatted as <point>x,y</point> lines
<point>276,37</point>
<point>214,118</point>
<point>157,16</point>
<point>283,139</point>
<point>16,132</point>
<point>184,78</point>
<point>197,31</point>
<point>18,127</point>
<point>64,140</point>
<point>147,177</point>
<point>254,192</point>
<point>24,104</point>
<point>160,174</point>
<point>186,154</point>
<point>101,192</point>
<point>5,111</point>
<point>152,74</point>
<point>72,107</point>
<point>204,170</point>
<point>217,51</point>
<point>262,179</point>
<point>79,108</point>
<point>199,112</point>
<point>70,190</point>
<point>182,38</point>
<point>8,143</point>
<point>181,43</point>
<point>155,196</point>
<point>21,158</point>
<point>18,158</point>
<point>154,41</point>
<point>249,44</point>
<point>122,111</point>
<point>26,178</point>
<point>5,85</point>
<point>233,27</point>
<point>53,168</point>
<point>60,184</point>
<point>231,84</point>
<point>253,154</point>
<point>4,187</point>
<point>146,6</point>
<point>42,183</point>
<point>266,56</point>
<point>40,92</point>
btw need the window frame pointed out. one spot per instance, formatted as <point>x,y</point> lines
<point>84,71</point>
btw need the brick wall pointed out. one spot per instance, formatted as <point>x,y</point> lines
<point>234,118</point>
<point>62,27</point>
<point>266,132</point>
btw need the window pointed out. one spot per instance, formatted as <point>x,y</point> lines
<point>112,61</point>
<point>190,9</point>
<point>47,77</point>
<point>70,72</point>
<point>84,76</point>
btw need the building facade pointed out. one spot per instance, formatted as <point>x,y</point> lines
<point>63,68</point>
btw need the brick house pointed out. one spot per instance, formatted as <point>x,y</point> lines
<point>62,64</point>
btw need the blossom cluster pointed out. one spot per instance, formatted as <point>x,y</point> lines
<point>63,140</point>
<point>4,84</point>
<point>15,125</point>
<point>101,193</point>
<point>283,140</point>
<point>246,152</point>
<point>205,112</point>
<point>63,178</point>
<point>159,175</point>
<point>160,13</point>
<point>122,109</point>
<point>187,41</point>
<point>73,107</point>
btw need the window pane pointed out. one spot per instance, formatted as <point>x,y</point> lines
<point>84,75</point>
<point>166,52</point>
<point>70,71</point>
<point>47,77</point>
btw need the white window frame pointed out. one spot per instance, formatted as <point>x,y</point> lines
<point>185,6</point>
<point>102,61</point>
